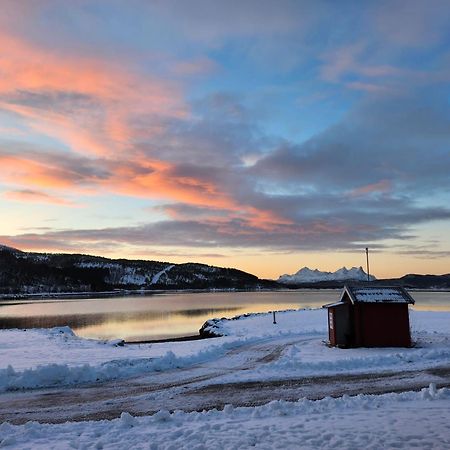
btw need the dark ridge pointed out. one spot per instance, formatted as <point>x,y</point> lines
<point>24,273</point>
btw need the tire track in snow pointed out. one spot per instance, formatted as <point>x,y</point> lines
<point>200,387</point>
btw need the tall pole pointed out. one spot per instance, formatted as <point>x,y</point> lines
<point>367,259</point>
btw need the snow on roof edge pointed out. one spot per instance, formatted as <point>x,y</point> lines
<point>379,294</point>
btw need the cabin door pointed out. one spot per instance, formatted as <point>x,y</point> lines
<point>342,325</point>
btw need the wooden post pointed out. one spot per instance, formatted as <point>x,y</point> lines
<point>367,258</point>
<point>274,319</point>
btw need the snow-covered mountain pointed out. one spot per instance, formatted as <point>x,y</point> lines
<point>29,272</point>
<point>306,275</point>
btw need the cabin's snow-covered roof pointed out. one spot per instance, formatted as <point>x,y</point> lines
<point>377,294</point>
<point>331,305</point>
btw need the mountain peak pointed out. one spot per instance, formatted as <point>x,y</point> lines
<point>306,275</point>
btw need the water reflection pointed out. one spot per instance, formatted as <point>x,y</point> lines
<point>169,315</point>
<point>431,301</point>
<point>83,321</point>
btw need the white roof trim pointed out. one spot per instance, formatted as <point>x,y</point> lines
<point>349,293</point>
<point>330,305</point>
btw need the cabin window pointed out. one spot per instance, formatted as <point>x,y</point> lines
<point>330,319</point>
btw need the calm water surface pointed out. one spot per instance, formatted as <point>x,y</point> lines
<point>169,315</point>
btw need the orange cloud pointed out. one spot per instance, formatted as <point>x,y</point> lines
<point>145,179</point>
<point>110,96</point>
<point>93,106</point>
<point>26,171</point>
<point>162,182</point>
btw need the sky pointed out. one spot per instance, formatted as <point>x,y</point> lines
<point>261,135</point>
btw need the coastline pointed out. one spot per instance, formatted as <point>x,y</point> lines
<point>194,337</point>
<point>149,292</point>
<point>125,293</point>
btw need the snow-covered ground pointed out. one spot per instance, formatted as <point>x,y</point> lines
<point>407,420</point>
<point>50,357</point>
<point>39,358</point>
<point>252,349</point>
<point>431,334</point>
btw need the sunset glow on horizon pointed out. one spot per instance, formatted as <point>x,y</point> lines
<point>261,135</point>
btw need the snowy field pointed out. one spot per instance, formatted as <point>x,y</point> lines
<point>407,420</point>
<point>39,358</point>
<point>57,358</point>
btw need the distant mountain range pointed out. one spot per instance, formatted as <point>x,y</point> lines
<point>35,273</point>
<point>306,275</point>
<point>307,278</point>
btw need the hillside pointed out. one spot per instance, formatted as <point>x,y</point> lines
<point>27,273</point>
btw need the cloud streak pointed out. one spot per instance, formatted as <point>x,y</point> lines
<point>27,195</point>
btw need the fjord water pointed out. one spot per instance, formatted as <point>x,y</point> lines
<point>159,316</point>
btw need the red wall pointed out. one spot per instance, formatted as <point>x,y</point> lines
<point>382,325</point>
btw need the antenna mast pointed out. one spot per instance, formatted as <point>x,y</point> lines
<point>367,259</point>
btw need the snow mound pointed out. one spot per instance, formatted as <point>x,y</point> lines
<point>122,360</point>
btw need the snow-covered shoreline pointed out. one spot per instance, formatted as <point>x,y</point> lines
<point>37,358</point>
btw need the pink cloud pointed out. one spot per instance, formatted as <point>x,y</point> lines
<point>114,93</point>
<point>28,195</point>
<point>106,99</point>
<point>347,61</point>
<point>382,186</point>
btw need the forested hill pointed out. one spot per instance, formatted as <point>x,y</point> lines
<point>26,272</point>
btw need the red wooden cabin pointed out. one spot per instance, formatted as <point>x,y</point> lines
<point>367,316</point>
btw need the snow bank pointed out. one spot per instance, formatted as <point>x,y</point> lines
<point>31,348</point>
<point>294,322</point>
<point>364,421</point>
<point>39,358</point>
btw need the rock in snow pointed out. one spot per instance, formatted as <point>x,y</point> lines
<point>306,275</point>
